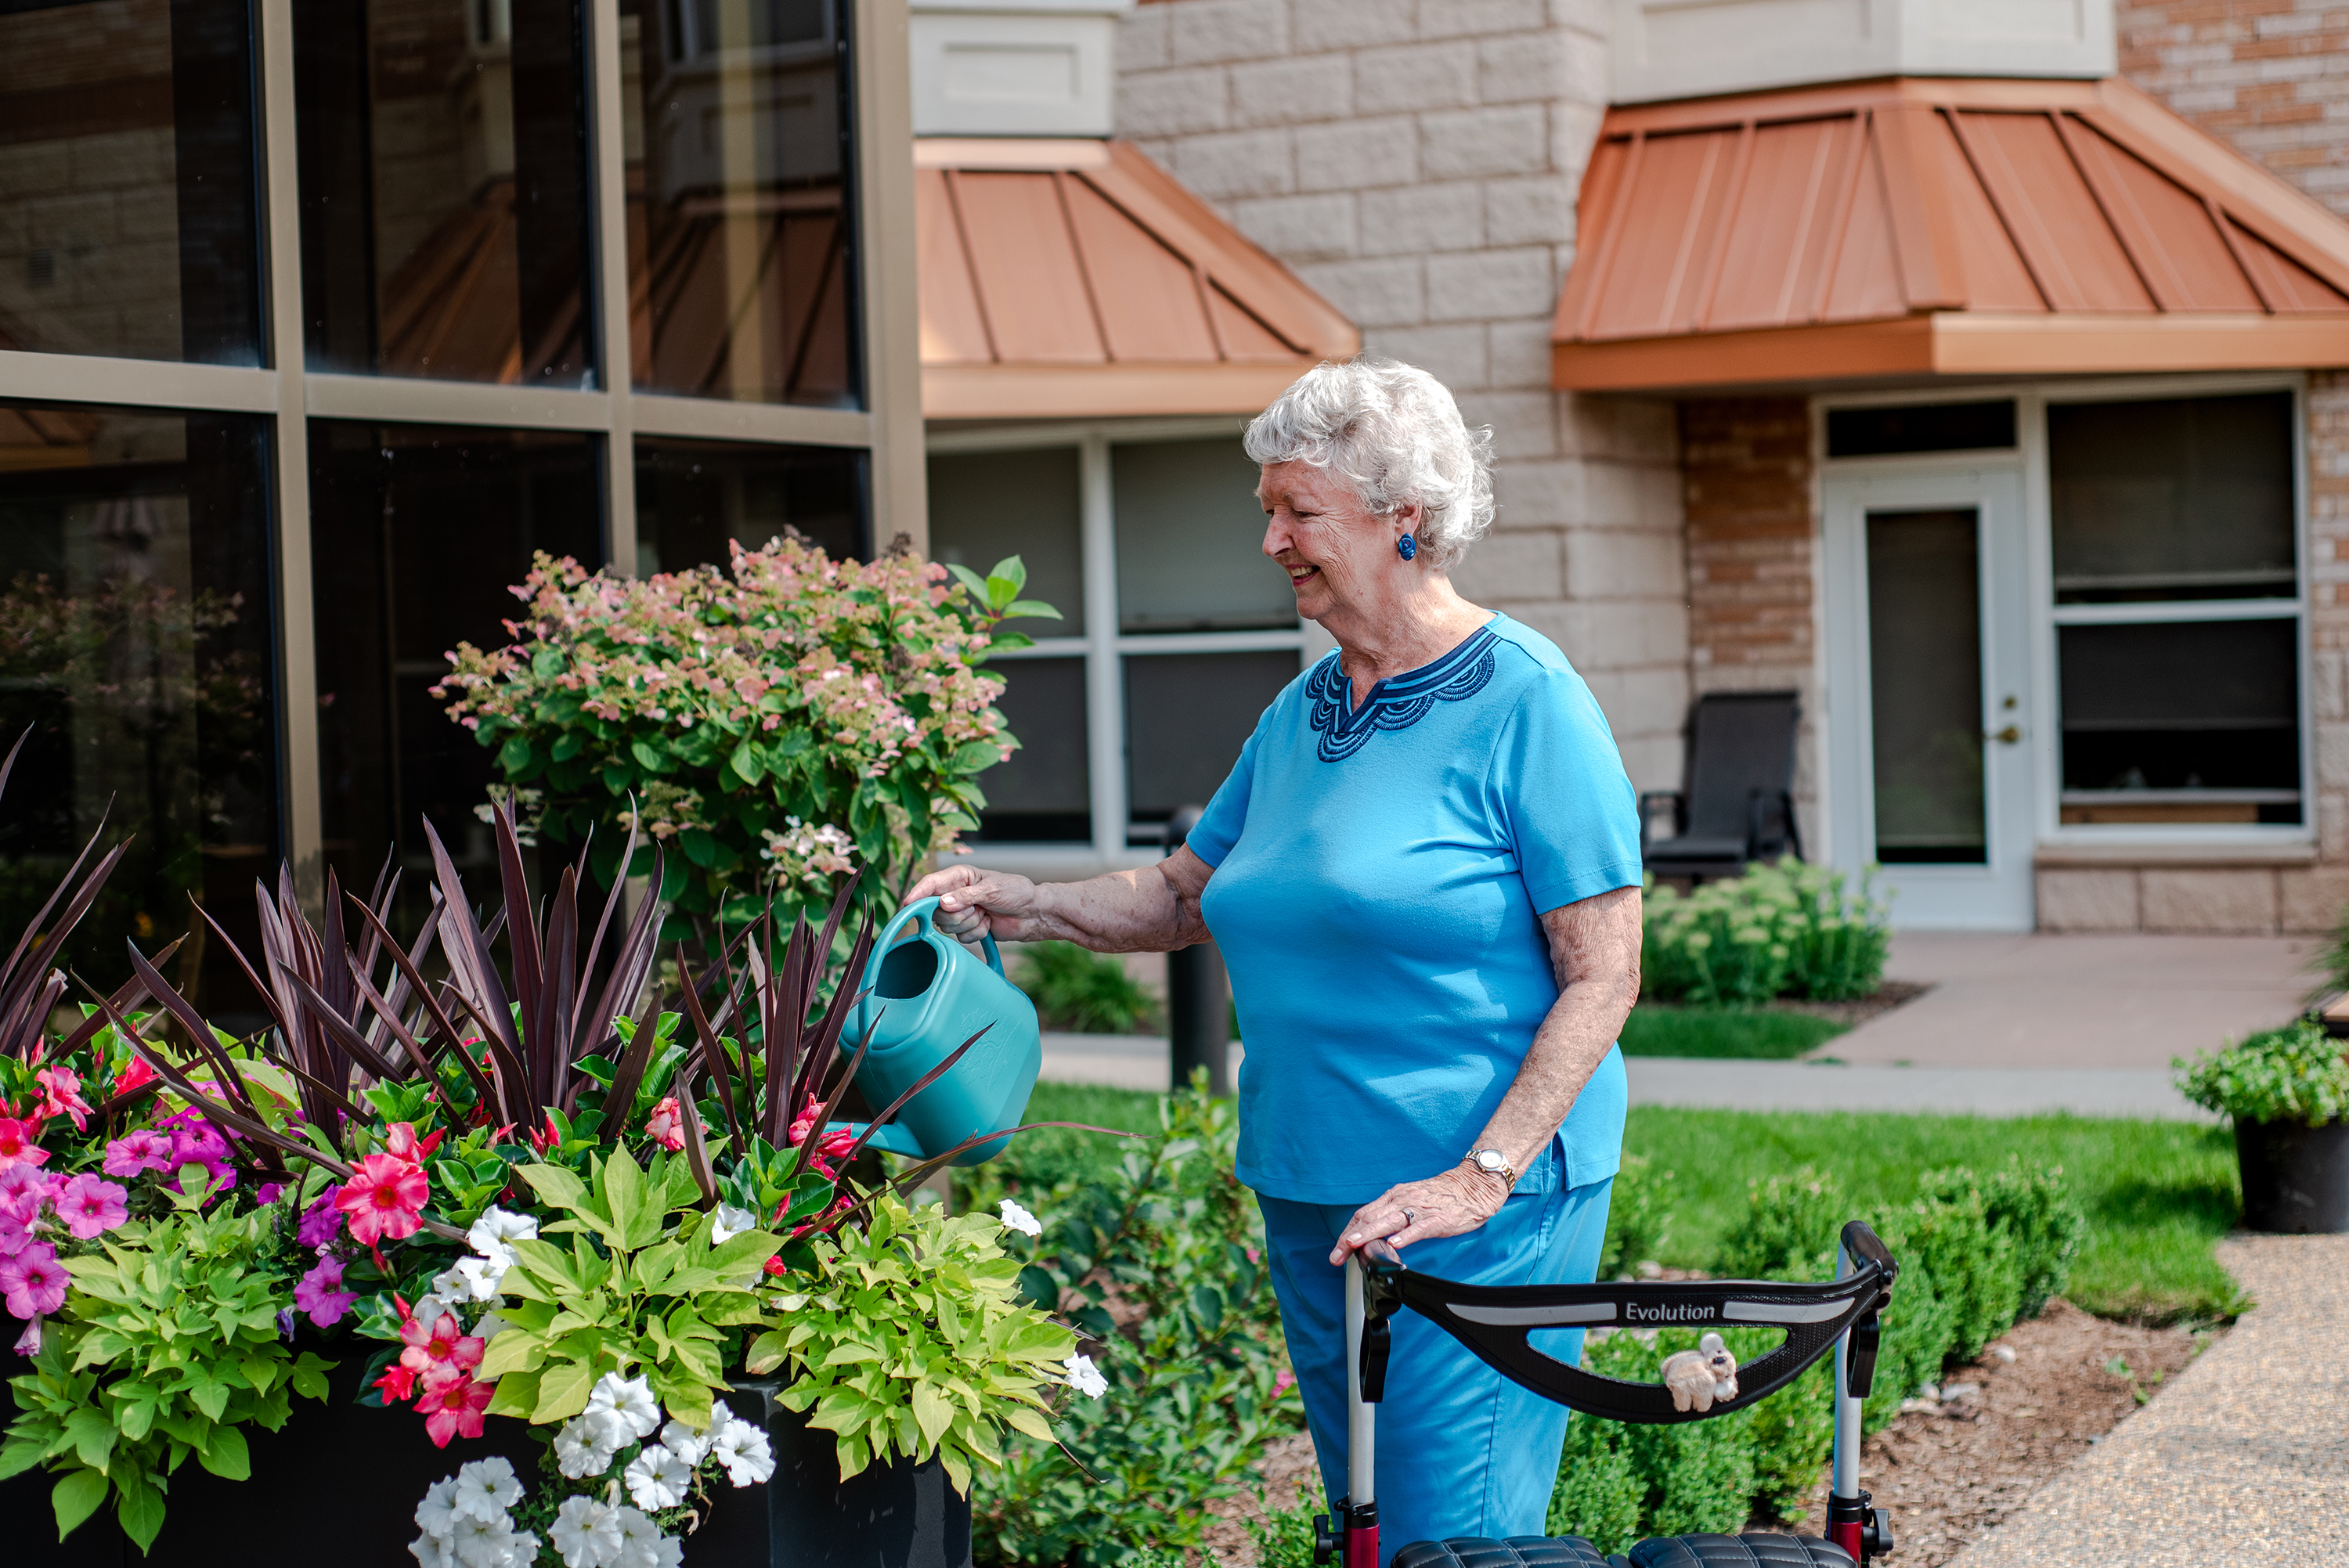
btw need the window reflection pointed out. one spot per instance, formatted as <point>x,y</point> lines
<point>443,179</point>
<point>417,531</point>
<point>127,209</point>
<point>694,499</point>
<point>736,128</point>
<point>1044,794</point>
<point>1186,717</point>
<point>134,642</point>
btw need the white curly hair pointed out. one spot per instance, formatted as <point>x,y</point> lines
<point>1392,432</point>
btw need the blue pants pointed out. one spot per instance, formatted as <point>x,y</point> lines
<point>1461,1450</point>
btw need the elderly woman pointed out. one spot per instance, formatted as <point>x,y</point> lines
<point>1423,873</point>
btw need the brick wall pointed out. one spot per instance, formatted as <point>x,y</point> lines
<point>1753,615</point>
<point>1416,162</point>
<point>2271,77</point>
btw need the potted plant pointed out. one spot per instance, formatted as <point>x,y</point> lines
<point>513,1253</point>
<point>2287,1092</point>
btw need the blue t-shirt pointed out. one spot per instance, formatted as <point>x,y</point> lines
<point>1379,875</point>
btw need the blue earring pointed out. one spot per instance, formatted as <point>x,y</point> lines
<point>1407,547</point>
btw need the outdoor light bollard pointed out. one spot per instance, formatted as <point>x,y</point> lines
<point>1198,997</point>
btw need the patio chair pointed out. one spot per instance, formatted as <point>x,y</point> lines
<point>1738,803</point>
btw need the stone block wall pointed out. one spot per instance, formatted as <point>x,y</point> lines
<point>1417,162</point>
<point>2270,77</point>
<point>1753,617</point>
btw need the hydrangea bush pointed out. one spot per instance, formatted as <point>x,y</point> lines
<point>777,722</point>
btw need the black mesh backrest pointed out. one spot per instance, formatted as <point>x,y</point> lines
<point>1738,742</point>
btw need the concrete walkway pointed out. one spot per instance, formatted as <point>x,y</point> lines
<point>2125,1002</point>
<point>2240,1459</point>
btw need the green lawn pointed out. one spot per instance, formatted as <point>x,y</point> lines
<point>1658,1029</point>
<point>2157,1194</point>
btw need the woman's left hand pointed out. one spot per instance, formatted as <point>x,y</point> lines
<point>1450,1204</point>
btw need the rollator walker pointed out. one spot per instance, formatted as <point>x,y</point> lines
<point>1496,1321</point>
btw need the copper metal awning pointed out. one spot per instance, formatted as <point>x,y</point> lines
<point>1078,280</point>
<point>1907,228</point>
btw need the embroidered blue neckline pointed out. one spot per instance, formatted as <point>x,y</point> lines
<point>1396,703</point>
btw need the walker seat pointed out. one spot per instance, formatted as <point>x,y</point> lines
<point>1494,1323</point>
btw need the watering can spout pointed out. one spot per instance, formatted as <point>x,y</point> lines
<point>924,999</point>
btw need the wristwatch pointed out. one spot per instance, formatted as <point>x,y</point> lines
<point>1492,1162</point>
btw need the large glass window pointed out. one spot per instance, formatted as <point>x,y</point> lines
<point>126,204</point>
<point>417,531</point>
<point>2177,591</point>
<point>740,268</point>
<point>696,499</point>
<point>1173,642</point>
<point>444,189</point>
<point>136,646</point>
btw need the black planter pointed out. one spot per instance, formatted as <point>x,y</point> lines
<point>338,1486</point>
<point>2295,1178</point>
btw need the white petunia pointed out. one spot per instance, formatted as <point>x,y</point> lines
<point>483,1543</point>
<point>631,1399</point>
<point>437,1514</point>
<point>495,1228</point>
<point>487,1487</point>
<point>742,1448</point>
<point>657,1478</point>
<point>731,1223</point>
<point>588,1441</point>
<point>640,1539</point>
<point>1016,1218</point>
<point>432,1552</point>
<point>687,1444</point>
<point>1081,1374</point>
<point>585,1534</point>
<point>478,1278</point>
<point>525,1550</point>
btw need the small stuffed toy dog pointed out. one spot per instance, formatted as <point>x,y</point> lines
<point>1697,1377</point>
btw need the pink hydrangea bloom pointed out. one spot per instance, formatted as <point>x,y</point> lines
<point>32,1281</point>
<point>145,1149</point>
<point>91,1205</point>
<point>17,1145</point>
<point>320,1292</point>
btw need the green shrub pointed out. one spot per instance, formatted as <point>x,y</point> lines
<point>1598,1493</point>
<point>1284,1536</point>
<point>1793,1430</point>
<point>1090,992</point>
<point>1787,929</point>
<point>2291,1074</point>
<point>2045,1223</point>
<point>1791,1222</point>
<point>1637,1218</point>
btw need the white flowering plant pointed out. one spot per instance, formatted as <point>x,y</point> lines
<point>778,722</point>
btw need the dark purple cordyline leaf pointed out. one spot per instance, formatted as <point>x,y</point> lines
<point>713,1050</point>
<point>898,1104</point>
<point>697,1157</point>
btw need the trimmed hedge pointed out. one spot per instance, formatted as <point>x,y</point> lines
<point>1976,1252</point>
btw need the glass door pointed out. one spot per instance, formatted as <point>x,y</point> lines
<point>1928,692</point>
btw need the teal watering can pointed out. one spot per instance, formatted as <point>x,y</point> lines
<point>922,998</point>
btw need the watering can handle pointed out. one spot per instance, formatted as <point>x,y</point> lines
<point>923,910</point>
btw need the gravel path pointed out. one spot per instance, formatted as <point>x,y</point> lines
<point>2239,1459</point>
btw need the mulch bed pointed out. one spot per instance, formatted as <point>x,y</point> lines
<point>1951,1471</point>
<point>1948,1471</point>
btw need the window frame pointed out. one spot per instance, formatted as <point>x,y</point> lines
<point>888,428</point>
<point>2031,455</point>
<point>1117,843</point>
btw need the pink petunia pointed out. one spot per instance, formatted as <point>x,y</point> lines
<point>145,1149</point>
<point>320,1221</point>
<point>665,1126</point>
<point>20,1221</point>
<point>385,1199</point>
<point>269,1193</point>
<point>32,1281</point>
<point>61,1095</point>
<point>320,1292</point>
<point>91,1205</point>
<point>16,1145</point>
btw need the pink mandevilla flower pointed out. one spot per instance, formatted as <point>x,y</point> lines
<point>666,1125</point>
<point>32,1281</point>
<point>91,1205</point>
<point>453,1406</point>
<point>135,1075</point>
<point>16,1145</point>
<point>320,1292</point>
<point>444,1346</point>
<point>145,1149</point>
<point>385,1199</point>
<point>61,1095</point>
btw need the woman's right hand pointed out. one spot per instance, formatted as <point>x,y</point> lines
<point>974,903</point>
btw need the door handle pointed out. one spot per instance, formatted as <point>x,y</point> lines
<point>2011,736</point>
